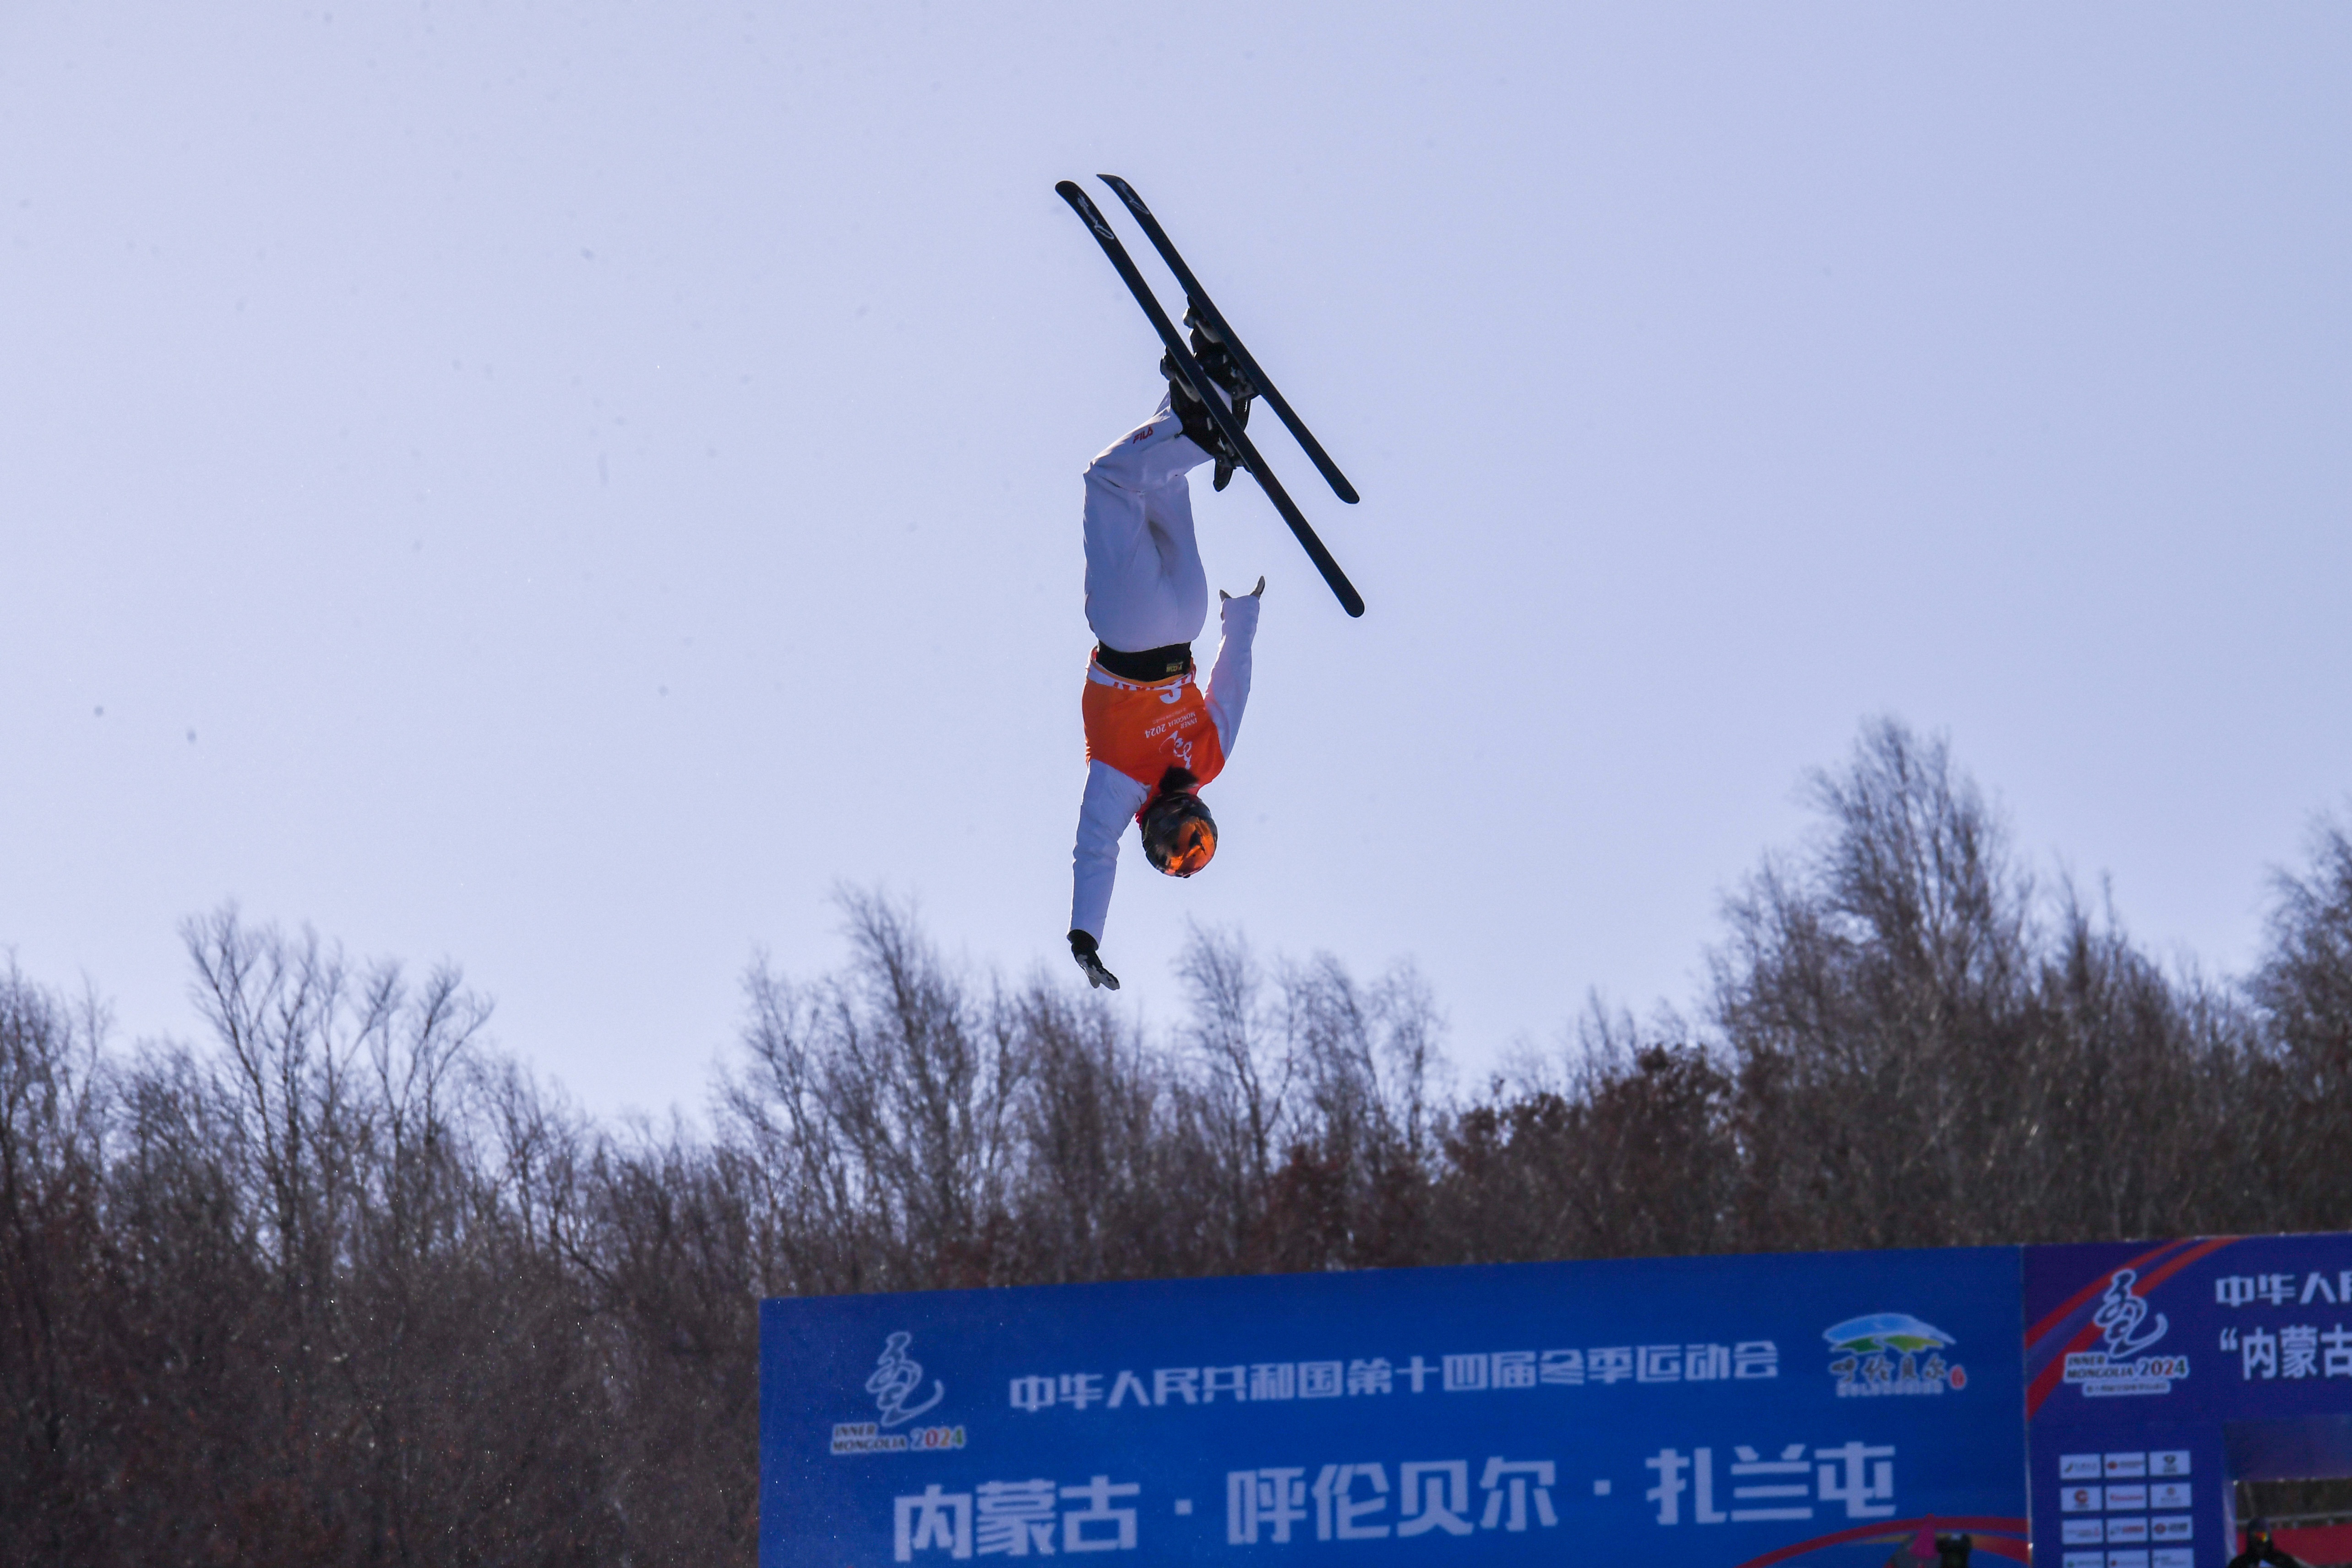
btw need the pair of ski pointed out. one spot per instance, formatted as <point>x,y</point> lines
<point>1203,314</point>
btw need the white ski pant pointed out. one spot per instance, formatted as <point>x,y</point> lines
<point>1145,585</point>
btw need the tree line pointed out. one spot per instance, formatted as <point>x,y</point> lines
<point>338,1283</point>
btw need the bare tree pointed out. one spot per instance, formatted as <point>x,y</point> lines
<point>882,1102</point>
<point>2303,991</point>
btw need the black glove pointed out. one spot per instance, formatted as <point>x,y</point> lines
<point>1082,947</point>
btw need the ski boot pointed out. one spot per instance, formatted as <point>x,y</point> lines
<point>1228,375</point>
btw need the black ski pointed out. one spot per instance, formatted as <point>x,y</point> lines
<point>1203,312</point>
<point>1180,353</point>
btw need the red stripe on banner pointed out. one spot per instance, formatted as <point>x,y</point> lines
<point>1890,1527</point>
<point>2205,1249</point>
<point>2046,1382</point>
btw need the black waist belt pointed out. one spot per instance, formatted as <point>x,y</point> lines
<point>1153,664</point>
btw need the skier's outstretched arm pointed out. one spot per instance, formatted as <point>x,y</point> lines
<point>1229,680</point>
<point>1110,803</point>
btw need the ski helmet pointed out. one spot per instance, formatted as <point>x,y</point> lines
<point>1179,833</point>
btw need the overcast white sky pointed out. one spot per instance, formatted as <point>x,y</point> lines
<point>560,487</point>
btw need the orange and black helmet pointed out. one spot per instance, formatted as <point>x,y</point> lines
<point>1179,833</point>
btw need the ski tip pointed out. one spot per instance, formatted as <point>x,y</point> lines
<point>1346,493</point>
<point>1069,190</point>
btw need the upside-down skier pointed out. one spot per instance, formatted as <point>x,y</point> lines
<point>1154,738</point>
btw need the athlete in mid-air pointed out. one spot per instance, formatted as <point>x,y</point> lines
<point>1153,737</point>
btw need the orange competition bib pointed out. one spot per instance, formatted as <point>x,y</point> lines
<point>1144,730</point>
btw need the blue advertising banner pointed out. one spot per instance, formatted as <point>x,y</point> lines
<point>1709,1413</point>
<point>2159,1374</point>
